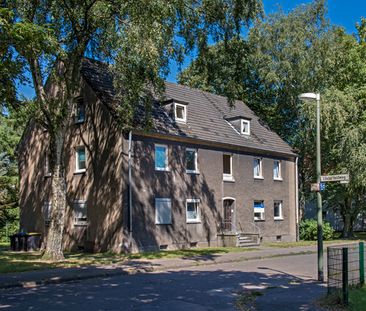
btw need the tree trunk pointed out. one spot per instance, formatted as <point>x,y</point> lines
<point>347,231</point>
<point>54,250</point>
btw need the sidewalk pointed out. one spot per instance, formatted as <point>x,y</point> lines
<point>42,277</point>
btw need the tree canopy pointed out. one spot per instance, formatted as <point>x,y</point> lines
<point>137,38</point>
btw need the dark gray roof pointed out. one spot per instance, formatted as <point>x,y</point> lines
<point>207,114</point>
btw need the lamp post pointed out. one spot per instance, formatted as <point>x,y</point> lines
<point>309,97</point>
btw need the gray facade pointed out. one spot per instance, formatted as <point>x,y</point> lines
<point>132,204</point>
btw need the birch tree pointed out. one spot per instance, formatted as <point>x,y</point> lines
<point>137,38</point>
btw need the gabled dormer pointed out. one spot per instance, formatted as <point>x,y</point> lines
<point>177,110</point>
<point>241,124</point>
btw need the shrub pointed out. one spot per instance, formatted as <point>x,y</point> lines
<point>309,228</point>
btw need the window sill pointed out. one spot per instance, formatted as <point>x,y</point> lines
<point>192,172</point>
<point>278,219</point>
<point>193,221</point>
<point>79,121</point>
<point>181,121</point>
<point>163,224</point>
<point>161,169</point>
<point>47,175</point>
<point>259,177</point>
<point>228,179</point>
<point>80,225</point>
<point>259,220</point>
<point>80,172</point>
<point>277,179</point>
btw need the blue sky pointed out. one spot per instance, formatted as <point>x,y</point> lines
<point>344,13</point>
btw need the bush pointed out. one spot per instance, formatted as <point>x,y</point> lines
<point>309,228</point>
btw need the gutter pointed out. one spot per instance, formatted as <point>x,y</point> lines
<point>297,198</point>
<point>130,181</point>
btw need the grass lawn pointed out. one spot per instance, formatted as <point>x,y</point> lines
<point>28,261</point>
<point>357,299</point>
<point>359,236</point>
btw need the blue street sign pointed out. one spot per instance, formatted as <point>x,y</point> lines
<point>322,186</point>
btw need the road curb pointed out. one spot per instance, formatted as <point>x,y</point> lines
<point>135,270</point>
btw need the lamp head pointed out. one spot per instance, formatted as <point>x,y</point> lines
<point>309,96</point>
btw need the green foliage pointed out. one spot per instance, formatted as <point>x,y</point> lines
<point>9,137</point>
<point>309,229</point>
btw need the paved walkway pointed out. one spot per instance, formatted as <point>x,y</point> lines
<point>41,277</point>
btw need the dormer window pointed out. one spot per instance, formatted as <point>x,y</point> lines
<point>245,127</point>
<point>180,113</point>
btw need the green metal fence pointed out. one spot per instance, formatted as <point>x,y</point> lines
<point>346,267</point>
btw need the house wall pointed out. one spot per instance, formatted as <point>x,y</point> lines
<point>207,186</point>
<point>104,187</point>
<point>100,185</point>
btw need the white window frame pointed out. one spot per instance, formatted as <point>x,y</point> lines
<point>47,168</point>
<point>280,217</point>
<point>77,168</point>
<point>80,221</point>
<point>228,177</point>
<point>79,103</point>
<point>242,127</point>
<point>198,219</point>
<point>166,222</point>
<point>166,168</point>
<point>279,177</point>
<point>259,210</point>
<point>195,171</point>
<point>184,119</point>
<point>260,176</point>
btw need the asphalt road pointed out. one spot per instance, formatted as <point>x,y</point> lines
<point>285,283</point>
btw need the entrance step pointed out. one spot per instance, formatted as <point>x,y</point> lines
<point>247,239</point>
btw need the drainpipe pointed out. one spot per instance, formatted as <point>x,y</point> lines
<point>130,181</point>
<point>297,197</point>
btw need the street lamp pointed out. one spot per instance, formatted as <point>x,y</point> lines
<point>310,97</point>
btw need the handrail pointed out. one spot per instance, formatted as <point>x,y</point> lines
<point>247,224</point>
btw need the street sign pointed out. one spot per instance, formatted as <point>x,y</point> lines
<point>314,187</point>
<point>322,186</point>
<point>340,177</point>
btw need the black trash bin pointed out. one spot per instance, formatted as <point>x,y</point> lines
<point>33,241</point>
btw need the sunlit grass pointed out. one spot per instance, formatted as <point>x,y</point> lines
<point>28,261</point>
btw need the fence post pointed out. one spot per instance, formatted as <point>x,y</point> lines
<point>362,263</point>
<point>345,275</point>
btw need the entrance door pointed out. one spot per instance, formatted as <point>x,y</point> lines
<point>228,223</point>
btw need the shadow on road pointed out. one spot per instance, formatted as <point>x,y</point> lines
<point>171,290</point>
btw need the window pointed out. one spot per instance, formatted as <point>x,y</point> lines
<point>80,160</point>
<point>227,166</point>
<point>192,210</point>
<point>277,170</point>
<point>47,168</point>
<point>163,211</point>
<point>277,210</point>
<point>191,161</point>
<point>180,112</point>
<point>258,210</point>
<point>47,208</point>
<point>80,111</point>
<point>257,168</point>
<point>80,213</point>
<point>245,127</point>
<point>161,157</point>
